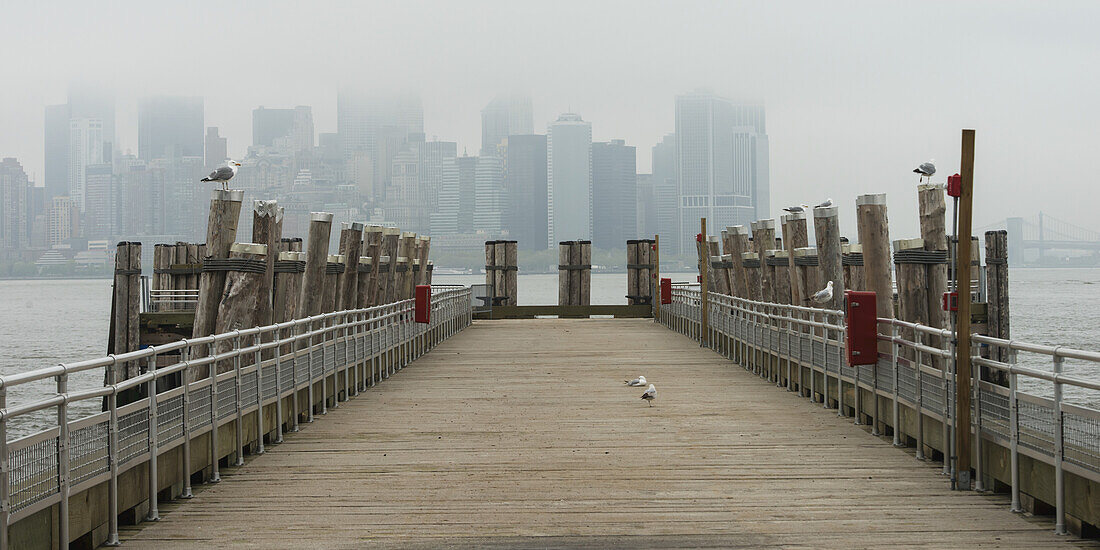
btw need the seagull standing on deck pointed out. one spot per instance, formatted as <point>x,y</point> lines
<point>639,381</point>
<point>650,394</point>
<point>926,170</point>
<point>223,174</point>
<point>824,295</point>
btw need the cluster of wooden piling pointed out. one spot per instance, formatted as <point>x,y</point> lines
<point>756,265</point>
<point>640,267</point>
<point>502,272</point>
<point>575,273</point>
<point>242,285</point>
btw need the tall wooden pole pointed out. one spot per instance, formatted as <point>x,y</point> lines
<point>564,260</point>
<point>933,230</point>
<point>657,276</point>
<point>372,239</point>
<point>267,230</point>
<point>387,280</point>
<point>221,230</point>
<point>827,233</point>
<point>962,349</point>
<point>795,236</point>
<point>763,240</point>
<point>313,280</point>
<point>738,237</point>
<point>347,294</point>
<point>704,304</point>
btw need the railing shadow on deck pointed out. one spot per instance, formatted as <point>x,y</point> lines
<point>243,385</point>
<point>801,349</point>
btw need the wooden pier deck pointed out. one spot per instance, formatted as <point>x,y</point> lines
<point>521,433</point>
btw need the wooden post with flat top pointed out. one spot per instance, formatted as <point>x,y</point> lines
<point>962,348</point>
<point>316,256</point>
<point>221,230</point>
<point>704,317</point>
<point>827,235</point>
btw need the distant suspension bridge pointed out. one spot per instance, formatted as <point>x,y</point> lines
<point>1030,240</point>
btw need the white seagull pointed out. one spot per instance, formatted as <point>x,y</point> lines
<point>650,394</point>
<point>926,169</point>
<point>639,381</point>
<point>828,202</point>
<point>797,208</point>
<point>824,295</point>
<point>224,174</point>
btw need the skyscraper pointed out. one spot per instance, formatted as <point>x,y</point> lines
<point>457,197</point>
<point>14,197</point>
<point>417,177</point>
<point>85,149</point>
<point>56,149</point>
<point>525,185</point>
<point>614,194</point>
<point>217,150</point>
<point>170,125</point>
<point>99,202</point>
<point>666,193</point>
<point>288,128</point>
<point>568,179</point>
<point>506,115</point>
<point>721,178</point>
<point>489,192</point>
<point>362,121</point>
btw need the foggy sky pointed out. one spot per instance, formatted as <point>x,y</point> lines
<point>857,94</point>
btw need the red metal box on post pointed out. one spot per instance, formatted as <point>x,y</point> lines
<point>862,327</point>
<point>666,290</point>
<point>423,305</point>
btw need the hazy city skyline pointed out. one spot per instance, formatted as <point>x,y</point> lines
<point>856,94</point>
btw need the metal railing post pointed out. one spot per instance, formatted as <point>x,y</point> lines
<point>1014,439</point>
<point>5,473</point>
<point>185,357</point>
<point>112,459</point>
<point>154,433</point>
<point>237,405</point>
<point>309,369</point>
<point>1059,451</point>
<point>215,476</point>
<point>277,337</point>
<point>897,378</point>
<point>63,461</point>
<point>257,341</point>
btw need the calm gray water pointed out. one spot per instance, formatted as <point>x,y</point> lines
<point>46,322</point>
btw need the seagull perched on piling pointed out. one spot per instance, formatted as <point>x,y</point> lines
<point>650,394</point>
<point>926,170</point>
<point>828,202</point>
<point>797,208</point>
<point>639,381</point>
<point>824,295</point>
<point>223,174</point>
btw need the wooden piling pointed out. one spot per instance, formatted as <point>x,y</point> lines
<point>387,276</point>
<point>431,268</point>
<point>853,266</point>
<point>334,266</point>
<point>738,237</point>
<point>162,261</point>
<point>491,271</point>
<point>422,254</point>
<point>632,262</point>
<point>575,273</point>
<point>874,238</point>
<point>347,290</point>
<point>827,235</point>
<point>781,273</point>
<point>406,249</point>
<point>912,276</point>
<point>125,308</point>
<point>289,269</point>
<point>718,280</point>
<point>646,268</point>
<point>500,253</point>
<point>267,230</point>
<point>221,230</point>
<point>763,239</point>
<point>807,273</point>
<point>795,236</point>
<point>511,272</point>
<point>565,257</point>
<point>750,261</point>
<point>996,281</point>
<point>364,270</point>
<point>313,279</point>
<point>963,374</point>
<point>585,296</point>
<point>239,307</point>
<point>372,241</point>
<point>933,230</point>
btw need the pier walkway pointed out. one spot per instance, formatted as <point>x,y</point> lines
<point>521,433</point>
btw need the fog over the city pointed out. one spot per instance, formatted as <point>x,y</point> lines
<point>857,93</point>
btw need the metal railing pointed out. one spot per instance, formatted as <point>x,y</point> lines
<point>787,343</point>
<point>160,300</point>
<point>247,369</point>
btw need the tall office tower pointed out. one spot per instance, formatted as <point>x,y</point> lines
<point>99,202</point>
<point>666,193</point>
<point>290,129</point>
<point>489,195</point>
<point>645,210</point>
<point>568,179</point>
<point>57,136</point>
<point>361,121</point>
<point>88,101</point>
<point>170,125</point>
<point>506,115</point>
<point>614,194</point>
<point>721,178</point>
<point>85,148</point>
<point>417,177</point>
<point>133,197</point>
<point>216,147</point>
<point>457,197</point>
<point>14,201</point>
<point>63,221</point>
<point>525,183</point>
